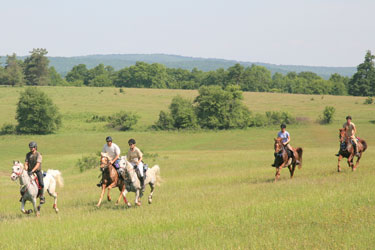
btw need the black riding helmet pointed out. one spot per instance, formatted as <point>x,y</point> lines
<point>33,144</point>
<point>108,139</point>
<point>131,141</point>
<point>348,117</point>
<point>283,126</point>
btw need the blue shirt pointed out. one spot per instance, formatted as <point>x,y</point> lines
<point>284,136</point>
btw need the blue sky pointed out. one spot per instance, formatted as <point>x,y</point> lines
<point>299,32</point>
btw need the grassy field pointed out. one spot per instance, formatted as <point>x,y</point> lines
<point>218,190</point>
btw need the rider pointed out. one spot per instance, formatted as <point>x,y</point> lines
<point>351,130</point>
<point>284,135</point>
<point>33,164</point>
<point>113,152</point>
<point>135,157</point>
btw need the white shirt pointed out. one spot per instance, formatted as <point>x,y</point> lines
<point>112,151</point>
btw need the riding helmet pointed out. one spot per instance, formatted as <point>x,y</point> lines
<point>283,126</point>
<point>348,117</point>
<point>108,139</point>
<point>131,141</point>
<point>33,144</point>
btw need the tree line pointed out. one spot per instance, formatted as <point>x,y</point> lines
<point>35,71</point>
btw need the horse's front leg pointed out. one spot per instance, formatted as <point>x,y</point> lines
<point>113,184</point>
<point>278,170</point>
<point>101,195</point>
<point>36,210</point>
<point>23,206</point>
<point>292,171</point>
<point>350,160</point>
<point>137,199</point>
<point>125,200</point>
<point>338,163</point>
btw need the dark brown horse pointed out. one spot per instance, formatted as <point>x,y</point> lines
<point>110,179</point>
<point>347,150</point>
<point>283,160</point>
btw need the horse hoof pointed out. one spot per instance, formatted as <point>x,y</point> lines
<point>56,210</point>
<point>149,201</point>
<point>129,204</point>
<point>138,204</point>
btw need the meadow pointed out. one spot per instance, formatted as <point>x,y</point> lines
<point>217,190</point>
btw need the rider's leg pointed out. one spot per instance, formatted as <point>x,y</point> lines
<point>294,153</point>
<point>39,174</point>
<point>355,144</point>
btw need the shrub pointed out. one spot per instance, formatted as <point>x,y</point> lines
<point>369,100</point>
<point>272,118</point>
<point>182,113</point>
<point>36,113</point>
<point>87,162</point>
<point>8,129</point>
<point>124,120</point>
<point>97,118</point>
<point>165,121</point>
<point>328,114</point>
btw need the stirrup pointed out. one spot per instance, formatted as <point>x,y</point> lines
<point>42,200</point>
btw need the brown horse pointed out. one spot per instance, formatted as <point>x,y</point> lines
<point>283,160</point>
<point>110,178</point>
<point>347,150</point>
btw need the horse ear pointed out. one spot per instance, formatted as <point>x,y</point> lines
<point>103,154</point>
<point>275,139</point>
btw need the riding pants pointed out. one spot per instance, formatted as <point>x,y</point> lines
<point>39,174</point>
<point>140,168</point>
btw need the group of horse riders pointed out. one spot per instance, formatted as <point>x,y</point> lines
<point>33,161</point>
<point>349,127</point>
<point>134,157</point>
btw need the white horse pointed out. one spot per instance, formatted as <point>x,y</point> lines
<point>132,183</point>
<point>29,188</point>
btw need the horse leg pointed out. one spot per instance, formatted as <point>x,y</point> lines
<point>350,161</point>
<point>278,170</point>
<point>293,169</point>
<point>36,210</point>
<point>357,162</point>
<point>137,199</point>
<point>151,193</point>
<point>338,163</point>
<point>113,184</point>
<point>125,200</point>
<point>54,195</point>
<point>23,206</point>
<point>101,195</point>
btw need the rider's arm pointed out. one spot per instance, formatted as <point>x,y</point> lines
<point>140,156</point>
<point>354,130</point>
<point>285,143</point>
<point>118,152</point>
<point>115,159</point>
<point>37,165</point>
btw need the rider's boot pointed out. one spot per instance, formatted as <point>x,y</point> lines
<point>99,184</point>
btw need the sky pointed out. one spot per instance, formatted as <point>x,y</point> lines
<point>288,32</point>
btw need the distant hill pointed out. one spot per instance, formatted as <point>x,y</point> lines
<point>119,61</point>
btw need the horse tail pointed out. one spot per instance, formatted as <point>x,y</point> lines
<point>364,144</point>
<point>299,152</point>
<point>156,170</point>
<point>57,176</point>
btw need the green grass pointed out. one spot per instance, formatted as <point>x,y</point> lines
<point>218,189</point>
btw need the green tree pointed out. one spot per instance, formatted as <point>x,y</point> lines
<point>36,68</point>
<point>256,78</point>
<point>14,71</point>
<point>221,109</point>
<point>55,78</point>
<point>36,113</point>
<point>78,73</point>
<point>183,113</point>
<point>363,81</point>
<point>328,114</point>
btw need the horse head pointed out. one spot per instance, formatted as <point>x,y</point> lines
<point>342,134</point>
<point>104,160</point>
<point>278,146</point>
<point>17,170</point>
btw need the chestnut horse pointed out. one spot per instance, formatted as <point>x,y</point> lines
<point>283,160</point>
<point>347,150</point>
<point>110,178</point>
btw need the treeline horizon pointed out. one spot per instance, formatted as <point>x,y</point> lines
<point>34,70</point>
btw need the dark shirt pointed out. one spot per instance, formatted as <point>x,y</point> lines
<point>33,159</point>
